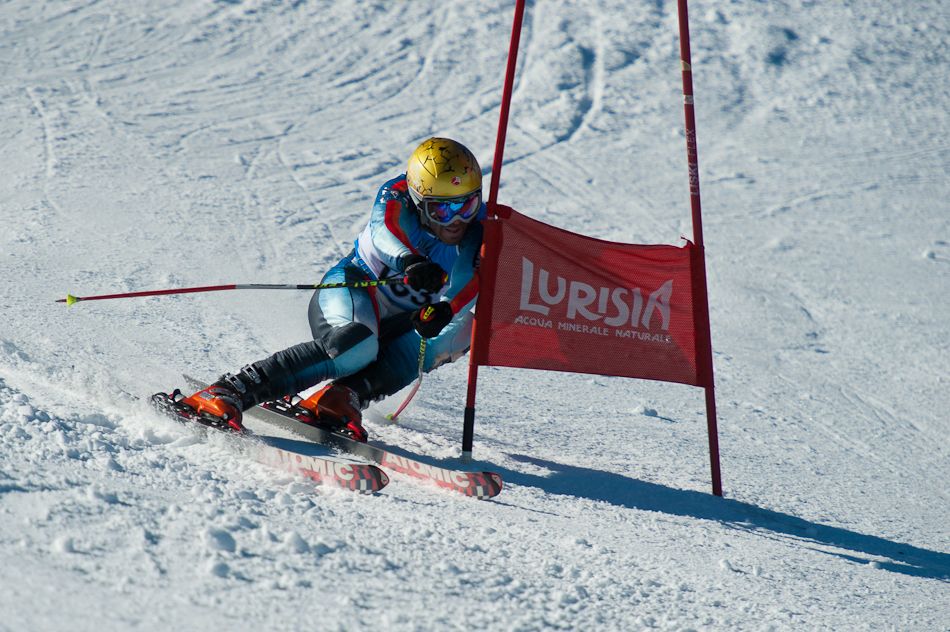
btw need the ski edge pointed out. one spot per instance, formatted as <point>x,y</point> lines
<point>364,478</point>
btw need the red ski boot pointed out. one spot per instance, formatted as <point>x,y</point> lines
<point>339,406</point>
<point>220,402</point>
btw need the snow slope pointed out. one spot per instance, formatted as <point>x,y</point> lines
<point>158,144</point>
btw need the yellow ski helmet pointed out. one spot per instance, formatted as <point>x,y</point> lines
<point>443,168</point>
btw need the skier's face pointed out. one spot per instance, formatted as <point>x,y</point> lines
<point>451,234</point>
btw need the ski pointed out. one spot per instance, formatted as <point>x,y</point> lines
<point>282,414</point>
<point>364,478</point>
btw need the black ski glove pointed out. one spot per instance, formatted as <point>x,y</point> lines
<point>423,274</point>
<point>431,319</point>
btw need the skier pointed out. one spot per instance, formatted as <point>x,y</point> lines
<point>424,226</point>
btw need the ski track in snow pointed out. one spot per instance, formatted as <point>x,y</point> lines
<point>243,141</point>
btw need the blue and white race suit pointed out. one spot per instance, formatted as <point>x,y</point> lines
<point>364,335</point>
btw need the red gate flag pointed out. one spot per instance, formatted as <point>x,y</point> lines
<point>560,301</point>
<point>551,299</point>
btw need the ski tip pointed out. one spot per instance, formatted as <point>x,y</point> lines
<point>489,486</point>
<point>497,485</point>
<point>372,481</point>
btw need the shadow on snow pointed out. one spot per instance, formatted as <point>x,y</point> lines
<point>570,480</point>
<point>635,494</point>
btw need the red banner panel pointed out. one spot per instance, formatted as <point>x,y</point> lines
<point>559,301</point>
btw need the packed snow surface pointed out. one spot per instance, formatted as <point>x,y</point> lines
<point>164,144</point>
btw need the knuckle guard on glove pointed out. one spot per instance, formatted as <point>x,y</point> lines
<point>423,274</point>
<point>432,319</point>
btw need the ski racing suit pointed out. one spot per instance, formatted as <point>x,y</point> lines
<point>363,337</point>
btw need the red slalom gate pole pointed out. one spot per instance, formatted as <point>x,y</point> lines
<point>505,104</point>
<point>704,338</point>
<point>480,330</point>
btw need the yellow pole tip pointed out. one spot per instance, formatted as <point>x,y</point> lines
<point>70,299</point>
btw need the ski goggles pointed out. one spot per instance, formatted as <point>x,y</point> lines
<point>444,211</point>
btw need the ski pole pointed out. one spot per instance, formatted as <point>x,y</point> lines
<point>415,388</point>
<point>70,299</point>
